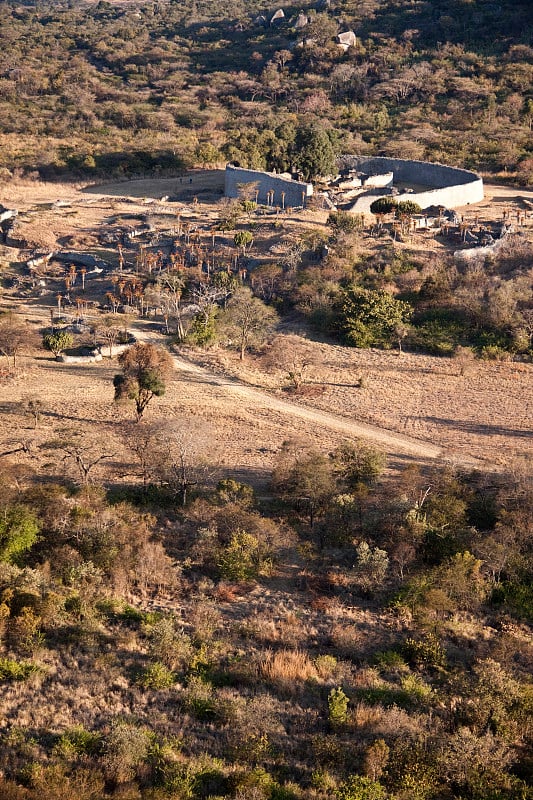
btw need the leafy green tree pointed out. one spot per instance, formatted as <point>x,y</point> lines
<point>383,205</point>
<point>247,320</point>
<point>244,240</point>
<point>19,531</point>
<point>408,207</point>
<point>203,328</point>
<point>370,318</point>
<point>58,341</point>
<point>144,370</point>
<point>358,463</point>
<point>316,153</point>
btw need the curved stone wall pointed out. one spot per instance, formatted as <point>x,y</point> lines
<point>448,186</point>
<point>295,192</point>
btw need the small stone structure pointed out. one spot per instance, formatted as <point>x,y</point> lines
<point>443,185</point>
<point>272,189</point>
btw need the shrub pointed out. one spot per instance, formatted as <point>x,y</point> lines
<point>359,788</point>
<point>344,221</point>
<point>199,698</point>
<point>326,666</point>
<point>242,559</point>
<point>171,648</point>
<point>11,670</point>
<point>494,352</point>
<point>390,661</point>
<point>416,689</point>
<point>337,707</point>
<point>427,652</point>
<point>371,566</point>
<point>78,742</point>
<point>157,676</point>
<point>407,207</point>
<point>19,529</point>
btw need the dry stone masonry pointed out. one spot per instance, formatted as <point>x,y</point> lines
<point>272,189</point>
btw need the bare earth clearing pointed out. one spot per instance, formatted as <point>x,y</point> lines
<point>413,406</point>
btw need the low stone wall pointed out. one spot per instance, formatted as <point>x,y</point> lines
<point>96,355</point>
<point>295,192</point>
<point>447,186</point>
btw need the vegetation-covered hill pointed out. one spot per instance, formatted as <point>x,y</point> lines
<point>125,88</point>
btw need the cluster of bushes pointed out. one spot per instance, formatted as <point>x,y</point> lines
<point>391,661</point>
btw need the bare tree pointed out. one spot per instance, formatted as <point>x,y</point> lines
<point>247,320</point>
<point>33,407</point>
<point>15,335</point>
<point>82,454</point>
<point>109,327</point>
<point>293,356</point>
<point>179,454</point>
<point>167,295</point>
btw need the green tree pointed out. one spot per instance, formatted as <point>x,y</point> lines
<point>383,205</point>
<point>369,318</point>
<point>247,320</point>
<point>19,531</point>
<point>244,240</point>
<point>358,463</point>
<point>57,341</point>
<point>144,370</point>
<point>305,479</point>
<point>316,153</point>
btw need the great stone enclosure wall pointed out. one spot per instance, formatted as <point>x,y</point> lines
<point>447,186</point>
<point>286,192</point>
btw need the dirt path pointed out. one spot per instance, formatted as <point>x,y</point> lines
<point>401,445</point>
<point>392,442</point>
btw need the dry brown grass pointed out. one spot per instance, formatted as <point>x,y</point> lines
<point>288,669</point>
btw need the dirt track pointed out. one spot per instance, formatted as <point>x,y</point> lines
<point>392,442</point>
